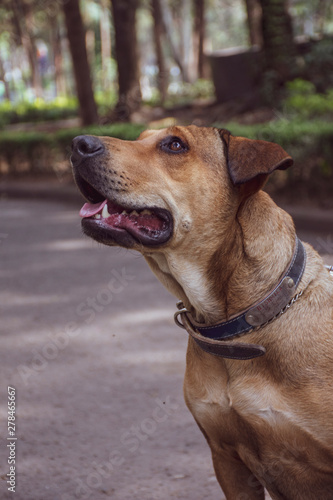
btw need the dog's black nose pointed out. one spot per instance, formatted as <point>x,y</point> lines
<point>85,146</point>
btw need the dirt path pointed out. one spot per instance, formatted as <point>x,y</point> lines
<point>88,341</point>
<point>89,344</point>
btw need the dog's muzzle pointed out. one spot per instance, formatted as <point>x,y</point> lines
<point>109,217</point>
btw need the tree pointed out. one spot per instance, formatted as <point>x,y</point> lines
<point>77,45</point>
<point>279,46</point>
<point>254,19</point>
<point>129,92</point>
<point>162,81</point>
<point>199,34</point>
<point>60,81</point>
<point>185,43</point>
<point>105,30</point>
<point>178,50</point>
<point>22,19</point>
<point>3,79</point>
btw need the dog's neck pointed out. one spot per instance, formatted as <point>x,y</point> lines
<point>240,270</point>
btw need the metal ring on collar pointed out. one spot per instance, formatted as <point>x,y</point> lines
<point>181,309</point>
<point>178,323</point>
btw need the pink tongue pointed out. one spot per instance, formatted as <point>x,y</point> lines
<point>90,209</point>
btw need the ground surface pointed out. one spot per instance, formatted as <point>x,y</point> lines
<point>97,369</point>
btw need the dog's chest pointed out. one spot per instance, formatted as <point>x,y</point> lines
<point>239,411</point>
<point>261,426</point>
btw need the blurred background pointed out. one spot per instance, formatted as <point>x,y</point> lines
<point>263,68</point>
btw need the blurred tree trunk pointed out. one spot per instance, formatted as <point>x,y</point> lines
<point>186,30</point>
<point>177,53</point>
<point>105,29</point>
<point>2,78</point>
<point>23,23</point>
<point>279,46</point>
<point>129,97</point>
<point>254,15</point>
<point>199,34</point>
<point>158,36</point>
<point>322,14</point>
<point>90,44</point>
<point>60,82</point>
<point>31,48</point>
<point>77,45</point>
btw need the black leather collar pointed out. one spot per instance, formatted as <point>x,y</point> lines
<point>211,338</point>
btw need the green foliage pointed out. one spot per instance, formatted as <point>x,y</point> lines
<point>181,93</point>
<point>23,140</point>
<point>57,109</point>
<point>270,89</point>
<point>41,152</point>
<point>126,131</point>
<point>303,100</point>
<point>105,101</point>
<point>319,64</point>
<point>293,135</point>
<point>38,110</point>
<point>202,89</point>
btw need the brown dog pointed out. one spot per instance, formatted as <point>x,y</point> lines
<point>189,199</point>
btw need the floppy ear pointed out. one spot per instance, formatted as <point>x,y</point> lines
<point>250,161</point>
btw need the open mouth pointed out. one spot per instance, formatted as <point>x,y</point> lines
<point>113,224</point>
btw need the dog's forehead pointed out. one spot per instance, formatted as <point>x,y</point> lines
<point>191,133</point>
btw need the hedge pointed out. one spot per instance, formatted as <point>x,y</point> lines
<point>59,108</point>
<point>44,153</point>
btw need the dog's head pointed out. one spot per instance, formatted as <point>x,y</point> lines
<point>169,186</point>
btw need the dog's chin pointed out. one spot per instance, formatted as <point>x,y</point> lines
<point>131,235</point>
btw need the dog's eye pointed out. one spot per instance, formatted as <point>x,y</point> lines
<point>173,145</point>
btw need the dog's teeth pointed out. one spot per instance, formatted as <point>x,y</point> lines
<point>97,216</point>
<point>124,212</point>
<point>135,213</point>
<point>146,212</point>
<point>105,213</point>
